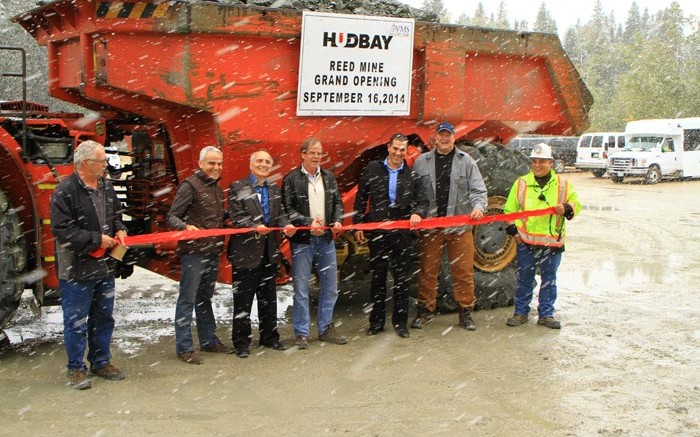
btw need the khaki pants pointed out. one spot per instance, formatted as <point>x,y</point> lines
<point>460,253</point>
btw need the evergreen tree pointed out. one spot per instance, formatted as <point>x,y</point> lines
<point>544,21</point>
<point>691,71</point>
<point>521,25</point>
<point>480,18</point>
<point>633,24</point>
<point>463,19</point>
<point>501,20</point>
<point>436,7</point>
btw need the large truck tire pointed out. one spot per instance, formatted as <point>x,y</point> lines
<point>494,273</point>
<point>598,172</point>
<point>12,261</point>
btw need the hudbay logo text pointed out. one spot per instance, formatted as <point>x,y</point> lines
<point>353,40</point>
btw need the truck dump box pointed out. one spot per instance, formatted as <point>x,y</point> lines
<point>169,77</point>
<point>227,75</point>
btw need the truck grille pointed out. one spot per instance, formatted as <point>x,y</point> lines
<point>622,162</point>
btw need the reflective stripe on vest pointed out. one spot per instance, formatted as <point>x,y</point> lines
<point>543,239</point>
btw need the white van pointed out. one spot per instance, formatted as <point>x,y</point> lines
<point>594,148</point>
<point>664,148</point>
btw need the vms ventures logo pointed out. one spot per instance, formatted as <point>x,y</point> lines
<point>401,29</point>
<point>355,40</point>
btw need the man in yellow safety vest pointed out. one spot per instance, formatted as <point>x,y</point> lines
<point>540,239</point>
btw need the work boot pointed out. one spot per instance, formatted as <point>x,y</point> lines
<point>330,335</point>
<point>218,348</point>
<point>465,319</point>
<point>108,371</point>
<point>374,330</point>
<point>77,379</point>
<point>549,322</point>
<point>301,342</point>
<point>517,320</point>
<point>190,358</point>
<point>242,352</point>
<point>423,317</point>
<point>402,332</point>
<point>275,344</point>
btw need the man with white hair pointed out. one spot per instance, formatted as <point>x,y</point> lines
<point>256,202</point>
<point>198,204</point>
<point>86,217</point>
<point>540,240</point>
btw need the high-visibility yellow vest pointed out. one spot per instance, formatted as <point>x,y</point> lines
<point>526,195</point>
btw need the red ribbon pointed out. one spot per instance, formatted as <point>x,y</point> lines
<point>429,223</point>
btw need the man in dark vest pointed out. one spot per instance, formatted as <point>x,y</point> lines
<point>198,204</point>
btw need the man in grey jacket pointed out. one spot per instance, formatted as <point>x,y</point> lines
<point>455,187</point>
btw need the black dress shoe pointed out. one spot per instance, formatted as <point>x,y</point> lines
<point>242,353</point>
<point>276,345</point>
<point>374,330</point>
<point>402,332</point>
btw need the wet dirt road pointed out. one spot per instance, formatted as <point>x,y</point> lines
<point>626,362</point>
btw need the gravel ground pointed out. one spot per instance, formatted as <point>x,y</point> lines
<point>624,364</point>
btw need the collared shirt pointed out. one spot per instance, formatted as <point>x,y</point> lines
<point>317,195</point>
<point>97,196</point>
<point>393,179</point>
<point>263,196</point>
<point>312,177</point>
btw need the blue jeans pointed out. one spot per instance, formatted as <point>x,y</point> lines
<point>87,315</point>
<point>197,282</point>
<point>322,251</point>
<point>529,258</point>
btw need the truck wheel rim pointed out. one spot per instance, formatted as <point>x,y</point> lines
<point>493,248</point>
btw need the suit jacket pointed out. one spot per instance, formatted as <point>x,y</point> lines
<point>411,196</point>
<point>245,211</point>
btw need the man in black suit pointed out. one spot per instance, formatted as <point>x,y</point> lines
<point>389,190</point>
<point>255,202</point>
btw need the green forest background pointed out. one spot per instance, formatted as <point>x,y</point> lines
<point>645,67</point>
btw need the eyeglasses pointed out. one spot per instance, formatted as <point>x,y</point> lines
<point>215,163</point>
<point>101,161</point>
<point>314,154</point>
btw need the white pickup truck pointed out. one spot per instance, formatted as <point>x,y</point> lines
<point>656,149</point>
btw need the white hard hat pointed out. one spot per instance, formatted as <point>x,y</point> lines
<point>541,151</point>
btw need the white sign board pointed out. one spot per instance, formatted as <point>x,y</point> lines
<point>355,65</point>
